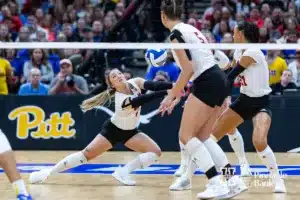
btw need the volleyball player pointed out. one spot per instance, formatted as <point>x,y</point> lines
<point>121,127</point>
<point>8,163</point>
<point>203,104</point>
<point>253,102</point>
<point>235,138</point>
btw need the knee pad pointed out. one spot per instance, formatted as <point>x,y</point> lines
<point>4,144</point>
<point>193,144</point>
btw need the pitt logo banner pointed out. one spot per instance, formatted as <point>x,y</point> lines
<point>31,121</point>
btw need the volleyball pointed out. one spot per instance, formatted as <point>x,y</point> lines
<point>156,57</point>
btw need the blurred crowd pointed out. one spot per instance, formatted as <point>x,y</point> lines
<point>73,71</point>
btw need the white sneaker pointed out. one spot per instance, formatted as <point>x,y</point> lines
<point>236,186</point>
<point>39,176</point>
<point>279,186</point>
<point>181,170</point>
<point>245,170</point>
<point>214,190</point>
<point>181,183</point>
<point>123,177</point>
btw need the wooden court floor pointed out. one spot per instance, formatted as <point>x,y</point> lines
<point>149,187</point>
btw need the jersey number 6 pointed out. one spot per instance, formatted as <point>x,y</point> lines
<point>199,37</point>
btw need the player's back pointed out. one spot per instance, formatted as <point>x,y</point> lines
<point>202,59</point>
<point>255,79</point>
<point>126,118</point>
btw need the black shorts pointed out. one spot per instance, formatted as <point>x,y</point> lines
<point>248,107</point>
<point>211,87</point>
<point>116,135</point>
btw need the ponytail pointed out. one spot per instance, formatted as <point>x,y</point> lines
<point>98,100</point>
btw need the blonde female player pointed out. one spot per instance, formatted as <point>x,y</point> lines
<point>121,127</point>
<point>235,138</point>
<point>253,102</point>
<point>203,104</point>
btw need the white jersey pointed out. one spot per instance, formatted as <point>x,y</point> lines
<point>126,118</point>
<point>221,59</point>
<point>255,79</point>
<point>202,59</point>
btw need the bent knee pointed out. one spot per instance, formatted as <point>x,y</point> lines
<point>260,143</point>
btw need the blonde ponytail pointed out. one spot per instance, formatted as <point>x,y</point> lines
<point>98,100</point>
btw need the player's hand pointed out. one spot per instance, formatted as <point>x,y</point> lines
<point>174,103</point>
<point>166,103</point>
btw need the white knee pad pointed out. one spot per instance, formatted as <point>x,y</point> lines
<point>4,144</point>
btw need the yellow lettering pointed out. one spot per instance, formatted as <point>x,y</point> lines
<point>55,127</point>
<point>24,124</point>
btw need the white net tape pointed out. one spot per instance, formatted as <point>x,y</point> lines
<point>94,45</point>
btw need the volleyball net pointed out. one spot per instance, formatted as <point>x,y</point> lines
<point>136,46</point>
<point>89,59</point>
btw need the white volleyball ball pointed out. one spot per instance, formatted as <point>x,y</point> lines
<point>156,57</point>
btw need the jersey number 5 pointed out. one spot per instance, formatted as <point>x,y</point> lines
<point>242,80</point>
<point>199,37</point>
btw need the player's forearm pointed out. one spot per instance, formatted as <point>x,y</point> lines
<point>157,85</point>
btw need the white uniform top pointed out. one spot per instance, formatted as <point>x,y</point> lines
<point>126,118</point>
<point>221,59</point>
<point>202,59</point>
<point>255,79</point>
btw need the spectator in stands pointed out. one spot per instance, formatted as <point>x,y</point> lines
<point>70,35</point>
<point>24,35</point>
<point>265,10</point>
<point>277,19</point>
<point>295,68</point>
<point>81,25</point>
<point>222,30</point>
<point>34,27</point>
<point>170,68</point>
<point>264,37</point>
<point>66,82</point>
<point>276,65</point>
<point>5,76</point>
<point>5,36</point>
<point>255,17</point>
<point>284,84</point>
<point>161,76</point>
<point>98,31</point>
<point>34,86</point>
<point>39,59</point>
<point>273,33</point>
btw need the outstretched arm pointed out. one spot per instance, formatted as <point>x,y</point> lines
<point>153,85</point>
<point>141,100</point>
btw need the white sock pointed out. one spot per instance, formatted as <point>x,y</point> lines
<point>141,161</point>
<point>185,157</point>
<point>19,187</point>
<point>199,154</point>
<point>70,161</point>
<point>216,153</point>
<point>268,158</point>
<point>237,144</point>
<point>191,169</point>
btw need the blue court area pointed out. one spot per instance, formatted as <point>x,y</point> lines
<point>159,169</point>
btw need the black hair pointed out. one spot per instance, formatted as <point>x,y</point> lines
<point>250,31</point>
<point>172,8</point>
